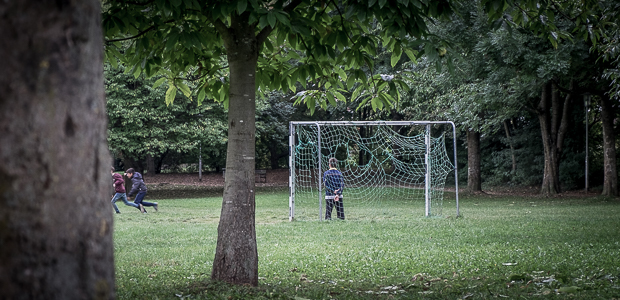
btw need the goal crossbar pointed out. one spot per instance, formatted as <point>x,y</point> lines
<point>319,124</point>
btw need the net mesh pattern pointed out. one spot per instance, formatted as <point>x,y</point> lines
<point>380,164</point>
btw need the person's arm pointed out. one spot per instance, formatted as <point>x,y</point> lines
<point>118,182</point>
<point>337,186</point>
<point>340,183</point>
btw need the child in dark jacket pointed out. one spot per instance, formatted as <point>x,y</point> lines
<point>139,188</point>
<point>334,184</point>
<point>119,188</point>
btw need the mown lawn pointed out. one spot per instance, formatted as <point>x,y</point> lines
<point>502,247</point>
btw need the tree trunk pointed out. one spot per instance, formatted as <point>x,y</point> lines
<point>474,181</point>
<point>150,165</point>
<point>275,154</point>
<point>236,256</point>
<point>55,185</point>
<point>610,181</point>
<point>553,118</point>
<point>512,149</point>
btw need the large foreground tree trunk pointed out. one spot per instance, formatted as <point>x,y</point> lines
<point>553,118</point>
<point>236,256</point>
<point>55,215</point>
<point>610,181</point>
<point>474,181</point>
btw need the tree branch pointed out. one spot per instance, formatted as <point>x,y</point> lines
<point>561,12</point>
<point>138,3</point>
<point>344,28</point>
<point>152,27</point>
<point>194,78</point>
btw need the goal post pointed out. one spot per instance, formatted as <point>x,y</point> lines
<point>379,160</point>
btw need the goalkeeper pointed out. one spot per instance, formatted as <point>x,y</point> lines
<point>334,183</point>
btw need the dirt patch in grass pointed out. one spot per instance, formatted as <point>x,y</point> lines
<point>189,185</point>
<point>528,191</point>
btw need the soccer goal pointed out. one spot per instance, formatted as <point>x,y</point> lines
<point>383,163</point>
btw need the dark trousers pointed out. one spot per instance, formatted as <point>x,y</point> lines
<point>329,206</point>
<point>139,198</point>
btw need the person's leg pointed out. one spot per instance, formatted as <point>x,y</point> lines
<point>144,203</point>
<point>329,205</point>
<point>138,201</point>
<point>114,199</point>
<point>124,198</point>
<point>340,209</point>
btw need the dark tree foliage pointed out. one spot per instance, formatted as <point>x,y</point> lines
<point>142,125</point>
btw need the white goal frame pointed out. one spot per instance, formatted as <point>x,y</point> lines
<point>368,123</point>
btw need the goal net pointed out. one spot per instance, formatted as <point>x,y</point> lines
<point>386,167</point>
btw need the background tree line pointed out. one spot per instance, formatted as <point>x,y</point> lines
<point>515,97</point>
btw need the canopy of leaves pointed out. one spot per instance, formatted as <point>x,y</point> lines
<point>320,45</point>
<point>140,122</point>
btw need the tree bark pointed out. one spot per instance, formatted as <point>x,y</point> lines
<point>553,118</point>
<point>474,181</point>
<point>275,153</point>
<point>610,181</point>
<point>55,215</point>
<point>150,164</point>
<point>236,256</point>
<point>512,149</point>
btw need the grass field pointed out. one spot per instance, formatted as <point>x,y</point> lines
<point>508,247</point>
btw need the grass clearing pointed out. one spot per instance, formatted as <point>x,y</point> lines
<point>508,247</point>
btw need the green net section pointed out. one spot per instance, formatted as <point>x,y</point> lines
<point>384,170</point>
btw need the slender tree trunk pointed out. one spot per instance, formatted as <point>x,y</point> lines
<point>610,181</point>
<point>512,149</point>
<point>236,256</point>
<point>474,181</point>
<point>150,164</point>
<point>275,154</point>
<point>55,185</point>
<point>553,118</point>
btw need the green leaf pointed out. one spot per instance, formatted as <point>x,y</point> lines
<point>184,88</point>
<point>201,95</point>
<point>159,82</point>
<point>269,45</point>
<point>272,19</point>
<point>340,96</point>
<point>241,6</point>
<point>331,99</point>
<point>115,52</point>
<point>173,37</point>
<point>292,39</point>
<point>223,93</point>
<point>376,103</point>
<point>350,82</point>
<point>364,101</point>
<point>112,60</point>
<point>170,94</point>
<point>357,93</point>
<point>396,56</point>
<point>262,22</point>
<point>412,55</point>
<point>137,71</point>
<point>311,103</point>
<point>342,74</point>
<point>283,18</point>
